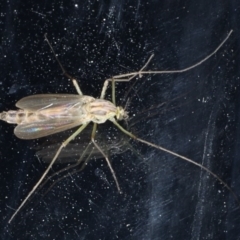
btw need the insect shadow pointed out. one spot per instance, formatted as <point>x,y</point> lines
<point>45,114</point>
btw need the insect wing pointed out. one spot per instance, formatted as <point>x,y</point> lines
<point>55,114</point>
<point>44,101</point>
<point>43,129</point>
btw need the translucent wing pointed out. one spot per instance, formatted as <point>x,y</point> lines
<point>51,113</point>
<point>43,129</point>
<point>40,101</point>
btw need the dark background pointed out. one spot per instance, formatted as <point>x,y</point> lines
<point>195,114</point>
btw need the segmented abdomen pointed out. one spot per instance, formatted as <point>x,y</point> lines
<point>18,116</point>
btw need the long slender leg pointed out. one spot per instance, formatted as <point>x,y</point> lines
<point>129,76</point>
<point>67,168</point>
<point>177,155</point>
<point>74,81</point>
<point>140,73</point>
<point>104,155</point>
<point>113,80</point>
<point>70,167</point>
<point>64,144</point>
<point>113,92</point>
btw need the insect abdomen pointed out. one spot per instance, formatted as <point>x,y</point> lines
<point>15,116</point>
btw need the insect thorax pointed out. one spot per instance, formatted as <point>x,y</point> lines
<point>102,110</point>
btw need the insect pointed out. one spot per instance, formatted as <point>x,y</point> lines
<point>45,114</point>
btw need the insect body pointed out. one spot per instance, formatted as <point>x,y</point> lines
<point>45,114</point>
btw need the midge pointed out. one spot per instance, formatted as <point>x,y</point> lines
<point>45,114</point>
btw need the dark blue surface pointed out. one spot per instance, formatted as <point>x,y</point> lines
<point>195,114</point>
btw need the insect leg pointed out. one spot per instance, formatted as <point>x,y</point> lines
<point>122,77</point>
<point>64,144</point>
<point>74,81</point>
<point>177,155</point>
<point>129,76</point>
<point>114,79</point>
<point>67,168</point>
<point>104,155</point>
<point>70,167</point>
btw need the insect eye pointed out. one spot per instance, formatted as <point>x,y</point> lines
<point>121,113</point>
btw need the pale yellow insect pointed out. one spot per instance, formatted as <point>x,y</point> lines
<point>45,114</point>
